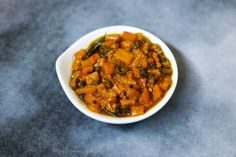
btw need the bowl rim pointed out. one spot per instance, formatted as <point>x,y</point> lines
<point>108,119</point>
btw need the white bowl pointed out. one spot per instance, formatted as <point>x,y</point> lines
<point>64,63</point>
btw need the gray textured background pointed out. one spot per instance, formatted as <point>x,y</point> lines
<point>36,118</point>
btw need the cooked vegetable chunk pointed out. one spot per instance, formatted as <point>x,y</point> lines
<point>87,89</point>
<point>157,93</point>
<point>124,56</point>
<point>128,36</point>
<point>145,98</point>
<point>165,83</point>
<point>108,67</point>
<point>90,61</point>
<point>93,108</point>
<point>137,110</point>
<point>92,79</point>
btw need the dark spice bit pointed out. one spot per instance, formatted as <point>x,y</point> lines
<point>157,80</point>
<point>80,84</point>
<point>121,112</point>
<point>151,76</point>
<point>103,50</point>
<point>162,58</point>
<point>108,83</point>
<point>117,98</point>
<point>136,45</point>
<point>152,66</point>
<point>81,96</point>
<point>140,90</point>
<point>109,112</point>
<point>94,101</point>
<point>98,69</point>
<point>144,72</point>
<point>121,69</point>
<point>166,71</point>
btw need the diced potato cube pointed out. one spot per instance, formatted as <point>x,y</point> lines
<point>76,64</point>
<point>90,61</point>
<point>86,90</point>
<point>127,44</point>
<point>155,57</point>
<point>127,102</point>
<point>137,110</point>
<point>87,69</point>
<point>157,93</point>
<point>124,56</point>
<point>93,108</point>
<point>136,73</point>
<point>108,67</point>
<point>165,84</point>
<point>139,36</point>
<point>145,98</point>
<point>128,36</point>
<point>92,78</point>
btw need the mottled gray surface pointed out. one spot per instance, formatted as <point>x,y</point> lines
<point>36,118</point>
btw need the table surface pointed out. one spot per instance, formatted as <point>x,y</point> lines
<point>37,119</point>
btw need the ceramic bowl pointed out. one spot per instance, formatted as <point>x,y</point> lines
<point>64,63</point>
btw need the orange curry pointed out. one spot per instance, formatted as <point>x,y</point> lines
<point>121,74</point>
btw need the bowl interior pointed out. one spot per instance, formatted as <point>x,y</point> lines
<point>65,60</point>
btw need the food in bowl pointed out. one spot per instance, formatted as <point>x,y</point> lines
<point>121,75</point>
